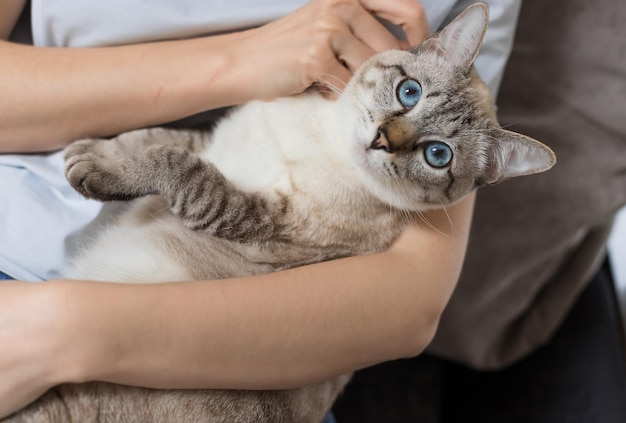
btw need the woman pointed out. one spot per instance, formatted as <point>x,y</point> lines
<point>64,331</point>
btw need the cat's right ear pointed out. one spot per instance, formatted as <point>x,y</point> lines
<point>512,155</point>
<point>460,40</point>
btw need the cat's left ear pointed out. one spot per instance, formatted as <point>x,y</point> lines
<point>512,154</point>
<point>461,39</point>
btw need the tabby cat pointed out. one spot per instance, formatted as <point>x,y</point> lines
<point>281,184</point>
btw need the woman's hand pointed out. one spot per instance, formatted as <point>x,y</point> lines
<point>324,42</point>
<point>32,337</point>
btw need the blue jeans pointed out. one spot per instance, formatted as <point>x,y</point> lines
<point>5,277</point>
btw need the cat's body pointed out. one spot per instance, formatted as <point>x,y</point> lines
<point>284,170</point>
<point>280,184</point>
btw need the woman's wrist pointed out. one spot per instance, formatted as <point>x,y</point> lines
<point>101,322</point>
<point>63,338</point>
<point>78,343</point>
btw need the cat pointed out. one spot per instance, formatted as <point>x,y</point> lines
<point>281,184</point>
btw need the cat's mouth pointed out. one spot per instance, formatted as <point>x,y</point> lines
<point>381,141</point>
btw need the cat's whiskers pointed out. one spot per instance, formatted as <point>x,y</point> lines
<point>394,210</point>
<point>433,227</point>
<point>409,217</point>
<point>333,87</point>
<point>453,230</point>
<point>517,122</point>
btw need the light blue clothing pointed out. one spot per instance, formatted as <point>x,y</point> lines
<point>42,215</point>
<point>70,23</point>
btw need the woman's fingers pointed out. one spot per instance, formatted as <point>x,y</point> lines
<point>408,14</point>
<point>350,50</point>
<point>371,32</point>
<point>324,42</point>
<point>358,34</point>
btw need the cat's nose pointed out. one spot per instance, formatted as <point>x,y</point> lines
<point>381,141</point>
<point>395,137</point>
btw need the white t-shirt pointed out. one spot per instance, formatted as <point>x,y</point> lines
<point>41,214</point>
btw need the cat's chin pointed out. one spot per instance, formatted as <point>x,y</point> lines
<point>393,194</point>
<point>402,202</point>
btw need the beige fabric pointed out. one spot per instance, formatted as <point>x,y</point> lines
<point>537,240</point>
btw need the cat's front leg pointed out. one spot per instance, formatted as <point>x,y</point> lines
<point>199,194</point>
<point>195,190</point>
<point>107,170</point>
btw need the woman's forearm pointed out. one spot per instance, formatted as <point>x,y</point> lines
<point>272,331</point>
<point>54,95</point>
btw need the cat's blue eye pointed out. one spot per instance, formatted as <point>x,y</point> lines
<point>438,154</point>
<point>409,93</point>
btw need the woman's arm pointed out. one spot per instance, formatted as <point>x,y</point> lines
<point>54,95</point>
<point>277,330</point>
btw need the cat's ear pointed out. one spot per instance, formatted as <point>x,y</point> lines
<point>513,154</point>
<point>461,39</point>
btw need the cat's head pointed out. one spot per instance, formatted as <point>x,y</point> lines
<point>425,131</point>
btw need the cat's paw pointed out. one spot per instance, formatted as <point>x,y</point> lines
<point>96,174</point>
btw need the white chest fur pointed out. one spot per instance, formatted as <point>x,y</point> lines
<point>261,156</point>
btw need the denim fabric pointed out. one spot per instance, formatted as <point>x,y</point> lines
<point>5,277</point>
<point>329,418</point>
